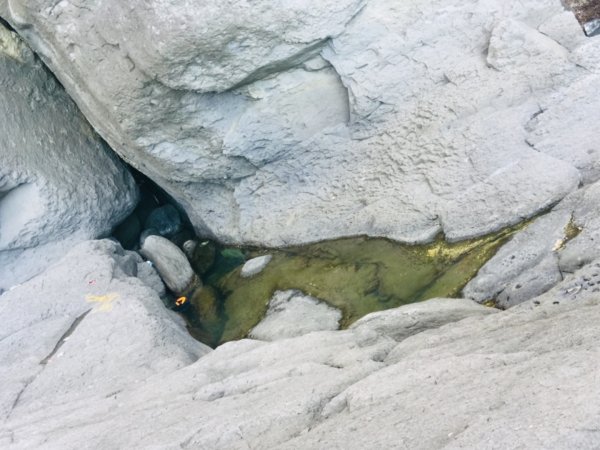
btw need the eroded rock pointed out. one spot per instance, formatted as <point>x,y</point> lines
<point>400,323</point>
<point>59,183</point>
<point>317,121</point>
<point>554,245</point>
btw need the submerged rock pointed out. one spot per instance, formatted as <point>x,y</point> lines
<point>171,264</point>
<point>255,266</point>
<point>355,275</point>
<point>201,255</point>
<point>60,184</point>
<point>292,313</point>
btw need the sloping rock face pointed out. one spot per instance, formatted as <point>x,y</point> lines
<point>104,365</point>
<point>299,121</point>
<point>59,183</point>
<point>86,329</point>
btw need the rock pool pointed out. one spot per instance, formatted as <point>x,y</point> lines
<point>357,275</point>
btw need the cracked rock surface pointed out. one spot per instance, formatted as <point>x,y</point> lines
<point>59,183</point>
<point>104,365</point>
<point>316,120</point>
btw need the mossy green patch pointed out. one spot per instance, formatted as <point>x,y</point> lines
<point>357,275</point>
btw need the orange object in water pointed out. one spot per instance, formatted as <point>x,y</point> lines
<point>180,301</point>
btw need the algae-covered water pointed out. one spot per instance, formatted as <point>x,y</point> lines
<point>357,275</point>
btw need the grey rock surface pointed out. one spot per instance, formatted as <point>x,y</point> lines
<point>524,267</point>
<point>86,329</point>
<point>255,265</point>
<point>324,119</point>
<point>405,378</point>
<point>292,313</point>
<point>59,183</point>
<point>171,263</point>
<point>400,323</point>
<point>554,245</point>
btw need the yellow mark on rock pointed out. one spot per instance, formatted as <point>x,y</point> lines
<point>571,231</point>
<point>105,301</point>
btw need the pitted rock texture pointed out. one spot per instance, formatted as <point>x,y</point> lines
<point>104,365</point>
<point>314,120</point>
<point>59,183</point>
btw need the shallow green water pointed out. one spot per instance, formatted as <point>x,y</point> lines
<point>357,275</point>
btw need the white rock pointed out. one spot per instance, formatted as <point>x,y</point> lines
<point>291,314</point>
<point>59,183</point>
<point>444,116</point>
<point>255,265</point>
<point>171,263</point>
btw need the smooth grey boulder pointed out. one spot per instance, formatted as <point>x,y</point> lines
<point>317,120</point>
<point>171,263</point>
<point>59,183</point>
<point>255,265</point>
<point>292,313</point>
<point>202,255</point>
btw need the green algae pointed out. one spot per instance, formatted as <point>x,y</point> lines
<point>357,275</point>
